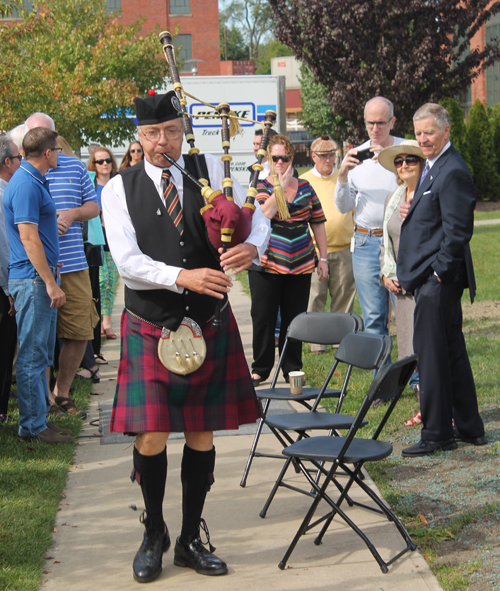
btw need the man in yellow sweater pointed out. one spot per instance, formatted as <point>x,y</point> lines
<point>339,231</point>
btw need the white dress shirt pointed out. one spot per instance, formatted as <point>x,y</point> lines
<point>140,271</point>
<point>367,187</point>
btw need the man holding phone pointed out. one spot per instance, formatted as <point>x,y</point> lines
<point>363,184</point>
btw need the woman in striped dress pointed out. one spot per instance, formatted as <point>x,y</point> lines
<point>284,279</point>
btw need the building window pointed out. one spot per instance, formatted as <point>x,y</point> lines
<point>114,5</point>
<point>183,43</point>
<point>180,7</point>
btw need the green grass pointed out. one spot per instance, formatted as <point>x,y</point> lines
<point>486,215</point>
<point>484,248</point>
<point>32,481</point>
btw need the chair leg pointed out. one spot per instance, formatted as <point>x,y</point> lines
<point>254,444</point>
<point>277,484</point>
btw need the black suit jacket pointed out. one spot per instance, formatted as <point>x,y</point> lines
<point>436,232</point>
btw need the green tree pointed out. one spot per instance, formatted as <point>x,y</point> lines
<point>495,124</point>
<point>480,144</point>
<point>317,114</point>
<point>232,39</point>
<point>272,48</point>
<point>458,134</point>
<point>81,65</point>
<point>254,19</point>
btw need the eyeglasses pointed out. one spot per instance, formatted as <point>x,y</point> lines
<point>58,149</point>
<point>153,135</point>
<point>327,156</point>
<point>410,161</point>
<point>371,124</point>
<point>138,150</point>
<point>285,158</point>
<point>19,157</point>
<point>104,160</point>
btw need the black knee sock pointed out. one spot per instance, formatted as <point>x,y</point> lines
<point>197,476</point>
<point>151,473</point>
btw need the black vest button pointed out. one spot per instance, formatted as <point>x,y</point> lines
<point>187,308</point>
<point>181,243</point>
<point>184,260</point>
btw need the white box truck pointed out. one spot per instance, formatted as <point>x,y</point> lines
<point>248,96</point>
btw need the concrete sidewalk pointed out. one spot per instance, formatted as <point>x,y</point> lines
<point>97,533</point>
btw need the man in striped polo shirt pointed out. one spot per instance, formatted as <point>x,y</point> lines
<point>74,197</point>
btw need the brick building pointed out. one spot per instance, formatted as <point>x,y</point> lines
<point>198,22</point>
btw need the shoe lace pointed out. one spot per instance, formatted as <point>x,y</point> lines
<point>204,527</point>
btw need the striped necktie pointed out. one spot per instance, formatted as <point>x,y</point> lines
<point>172,201</point>
<point>424,173</point>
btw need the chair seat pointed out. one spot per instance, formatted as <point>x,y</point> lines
<point>304,421</point>
<point>326,449</point>
<point>285,394</point>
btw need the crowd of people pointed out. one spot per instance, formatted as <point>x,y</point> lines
<point>394,219</point>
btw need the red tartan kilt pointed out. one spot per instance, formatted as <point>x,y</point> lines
<point>217,396</point>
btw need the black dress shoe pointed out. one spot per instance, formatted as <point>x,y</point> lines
<point>425,448</point>
<point>147,561</point>
<point>194,555</point>
<point>483,440</point>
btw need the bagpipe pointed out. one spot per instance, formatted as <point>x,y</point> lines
<point>227,224</point>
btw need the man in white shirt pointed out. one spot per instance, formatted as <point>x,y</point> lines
<point>159,243</point>
<point>364,185</point>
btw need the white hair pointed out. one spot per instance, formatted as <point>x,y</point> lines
<point>16,136</point>
<point>439,113</point>
<point>35,119</point>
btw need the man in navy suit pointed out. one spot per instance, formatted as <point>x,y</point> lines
<point>435,264</point>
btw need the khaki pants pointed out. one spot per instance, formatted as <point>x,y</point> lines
<point>340,283</point>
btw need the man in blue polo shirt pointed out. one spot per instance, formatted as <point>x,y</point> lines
<point>74,197</point>
<point>30,218</point>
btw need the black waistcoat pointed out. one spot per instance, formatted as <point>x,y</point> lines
<point>158,238</point>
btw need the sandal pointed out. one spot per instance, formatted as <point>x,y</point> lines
<point>68,405</point>
<point>415,420</point>
<point>56,411</point>
<point>99,359</point>
<point>110,334</point>
<point>93,375</point>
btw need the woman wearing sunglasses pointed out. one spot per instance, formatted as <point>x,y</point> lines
<point>284,278</point>
<point>133,155</point>
<point>406,160</point>
<point>103,163</point>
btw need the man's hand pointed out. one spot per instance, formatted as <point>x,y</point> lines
<point>64,221</point>
<point>392,285</point>
<point>57,295</point>
<point>350,161</point>
<point>12,309</point>
<point>205,281</point>
<point>404,208</point>
<point>238,257</point>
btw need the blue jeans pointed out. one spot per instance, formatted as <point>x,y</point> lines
<point>373,297</point>
<point>36,332</point>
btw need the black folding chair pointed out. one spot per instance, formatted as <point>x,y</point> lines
<point>358,349</point>
<point>341,452</point>
<point>321,328</point>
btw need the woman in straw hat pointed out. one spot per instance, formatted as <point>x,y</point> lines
<point>406,161</point>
